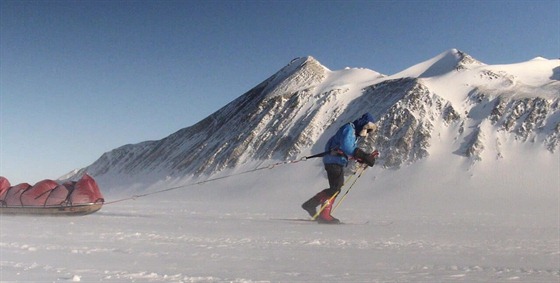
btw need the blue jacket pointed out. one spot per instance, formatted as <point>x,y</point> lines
<point>345,141</point>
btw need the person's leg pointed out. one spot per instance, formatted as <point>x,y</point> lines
<point>335,175</point>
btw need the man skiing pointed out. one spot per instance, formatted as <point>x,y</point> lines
<point>341,146</point>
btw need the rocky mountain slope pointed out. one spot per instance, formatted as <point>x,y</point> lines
<point>292,114</point>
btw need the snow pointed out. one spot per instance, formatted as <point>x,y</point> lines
<point>442,64</point>
<point>534,73</point>
<point>439,220</point>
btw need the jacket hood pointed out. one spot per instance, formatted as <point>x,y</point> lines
<point>362,121</point>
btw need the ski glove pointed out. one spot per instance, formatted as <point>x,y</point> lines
<point>363,157</point>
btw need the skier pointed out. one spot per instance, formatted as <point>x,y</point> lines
<point>341,146</point>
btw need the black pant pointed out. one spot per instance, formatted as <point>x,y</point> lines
<point>335,174</point>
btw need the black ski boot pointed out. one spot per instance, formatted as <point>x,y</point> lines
<point>333,220</point>
<point>311,205</point>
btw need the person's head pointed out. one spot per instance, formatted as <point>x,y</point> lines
<point>365,125</point>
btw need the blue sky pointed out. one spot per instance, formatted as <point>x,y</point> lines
<point>79,78</point>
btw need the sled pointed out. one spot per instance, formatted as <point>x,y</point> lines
<point>52,210</point>
<point>50,198</point>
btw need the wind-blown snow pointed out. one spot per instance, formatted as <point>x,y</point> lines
<point>427,223</point>
<point>467,188</point>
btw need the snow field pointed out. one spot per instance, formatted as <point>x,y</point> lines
<point>429,222</point>
<point>197,245</point>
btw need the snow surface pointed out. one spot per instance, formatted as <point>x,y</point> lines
<point>439,220</point>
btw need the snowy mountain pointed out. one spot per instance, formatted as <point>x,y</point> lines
<point>468,189</point>
<point>291,114</point>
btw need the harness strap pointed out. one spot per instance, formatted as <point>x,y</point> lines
<point>318,155</point>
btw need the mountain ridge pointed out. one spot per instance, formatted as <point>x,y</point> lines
<point>295,110</point>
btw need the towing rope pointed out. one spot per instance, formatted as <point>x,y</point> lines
<point>133,197</point>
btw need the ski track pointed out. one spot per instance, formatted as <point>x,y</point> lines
<point>135,242</point>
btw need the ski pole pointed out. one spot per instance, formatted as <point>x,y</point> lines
<point>362,169</point>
